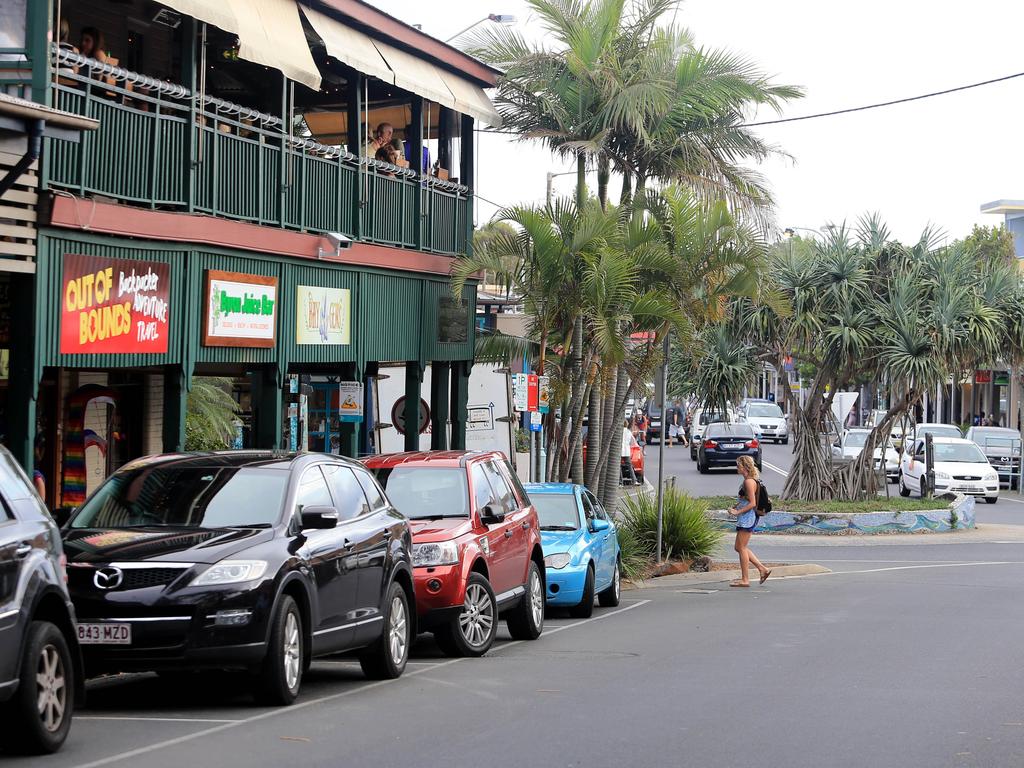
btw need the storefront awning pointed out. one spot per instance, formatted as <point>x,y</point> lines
<point>415,75</point>
<point>215,12</point>
<point>471,100</point>
<point>270,33</point>
<point>349,46</point>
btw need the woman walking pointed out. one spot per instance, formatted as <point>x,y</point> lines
<point>746,519</point>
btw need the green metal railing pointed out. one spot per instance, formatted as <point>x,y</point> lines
<point>162,146</point>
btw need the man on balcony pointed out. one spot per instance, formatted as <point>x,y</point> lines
<point>381,138</point>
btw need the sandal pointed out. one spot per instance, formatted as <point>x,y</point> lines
<point>738,584</point>
<point>764,577</point>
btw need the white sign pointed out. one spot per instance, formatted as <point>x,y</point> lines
<point>324,315</point>
<point>241,310</point>
<point>350,401</point>
<point>520,392</point>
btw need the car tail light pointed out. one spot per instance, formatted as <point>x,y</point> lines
<point>752,444</point>
<point>710,444</point>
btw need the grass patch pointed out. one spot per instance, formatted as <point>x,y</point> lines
<point>796,507</point>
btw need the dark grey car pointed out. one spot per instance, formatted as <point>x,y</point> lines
<point>39,661</point>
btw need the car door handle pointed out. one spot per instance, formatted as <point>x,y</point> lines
<point>347,545</point>
<point>23,550</point>
<point>526,526</point>
<point>508,534</point>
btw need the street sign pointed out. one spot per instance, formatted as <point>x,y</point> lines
<point>350,401</point>
<point>398,415</point>
<point>535,421</point>
<point>532,392</point>
<point>544,394</point>
<point>520,394</point>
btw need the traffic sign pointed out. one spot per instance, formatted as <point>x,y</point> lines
<point>398,415</point>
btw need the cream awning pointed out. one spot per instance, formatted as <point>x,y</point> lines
<point>270,33</point>
<point>415,75</point>
<point>470,99</point>
<point>349,46</point>
<point>216,12</point>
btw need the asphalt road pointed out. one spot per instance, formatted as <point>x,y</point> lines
<point>903,656</point>
<point>776,461</point>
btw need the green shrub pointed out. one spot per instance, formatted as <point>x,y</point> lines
<point>635,555</point>
<point>687,531</point>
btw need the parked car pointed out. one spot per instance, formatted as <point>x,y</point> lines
<point>724,443</point>
<point>653,411</point>
<point>960,466</point>
<point>581,547</point>
<point>936,430</point>
<point>636,458</point>
<point>1002,447</point>
<point>40,665</point>
<point>767,419</point>
<point>699,422</point>
<point>876,417</point>
<point>241,560</point>
<point>477,552</point>
<point>850,444</point>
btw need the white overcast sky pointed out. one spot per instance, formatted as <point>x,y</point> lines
<point>934,161</point>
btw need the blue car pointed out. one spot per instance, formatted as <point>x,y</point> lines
<point>581,547</point>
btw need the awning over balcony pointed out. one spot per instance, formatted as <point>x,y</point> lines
<point>270,33</point>
<point>415,75</point>
<point>349,46</point>
<point>216,12</point>
<point>471,100</point>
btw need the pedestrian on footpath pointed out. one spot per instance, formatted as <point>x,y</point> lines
<point>746,519</point>
<point>626,455</point>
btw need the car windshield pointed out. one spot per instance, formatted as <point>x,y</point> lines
<point>764,410</point>
<point>709,417</point>
<point>856,439</point>
<point>421,493</point>
<point>556,512</point>
<point>994,436</point>
<point>718,431</point>
<point>941,430</point>
<point>959,452</point>
<point>186,497</point>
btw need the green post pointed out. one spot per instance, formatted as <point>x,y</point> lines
<point>416,164</point>
<point>460,402</point>
<point>267,397</point>
<point>175,407</point>
<point>189,51</point>
<point>354,139</point>
<point>466,177</point>
<point>439,400</point>
<point>413,380</point>
<point>37,43</point>
<point>24,383</point>
<point>349,431</point>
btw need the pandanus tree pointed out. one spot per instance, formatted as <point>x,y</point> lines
<point>863,307</point>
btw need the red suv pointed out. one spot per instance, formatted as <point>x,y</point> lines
<point>476,545</point>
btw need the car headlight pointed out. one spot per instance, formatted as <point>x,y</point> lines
<point>230,572</point>
<point>992,477</point>
<point>939,475</point>
<point>557,560</point>
<point>435,553</point>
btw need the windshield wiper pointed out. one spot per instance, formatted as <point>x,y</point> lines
<point>558,528</point>
<point>250,525</point>
<point>439,517</point>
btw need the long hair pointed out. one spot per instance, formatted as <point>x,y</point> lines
<point>748,466</point>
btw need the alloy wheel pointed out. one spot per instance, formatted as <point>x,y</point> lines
<point>477,618</point>
<point>536,599</point>
<point>617,581</point>
<point>51,685</point>
<point>292,651</point>
<point>398,635</point>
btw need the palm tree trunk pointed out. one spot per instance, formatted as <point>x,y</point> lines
<point>581,180</point>
<point>579,382</point>
<point>612,439</point>
<point>627,190</point>
<point>593,438</point>
<point>603,174</point>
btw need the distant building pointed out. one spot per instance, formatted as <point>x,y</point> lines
<point>1013,216</point>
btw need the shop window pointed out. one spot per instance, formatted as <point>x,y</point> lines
<point>452,320</point>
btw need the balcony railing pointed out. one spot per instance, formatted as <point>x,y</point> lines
<point>162,146</point>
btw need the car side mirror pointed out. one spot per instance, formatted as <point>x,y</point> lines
<point>492,514</point>
<point>597,525</point>
<point>319,518</point>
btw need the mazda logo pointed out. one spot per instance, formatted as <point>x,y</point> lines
<point>108,578</point>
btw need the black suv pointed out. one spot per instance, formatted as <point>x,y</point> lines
<point>39,662</point>
<point>241,560</point>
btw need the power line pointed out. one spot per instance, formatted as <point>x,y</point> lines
<point>883,103</point>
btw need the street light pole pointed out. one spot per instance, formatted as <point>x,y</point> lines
<point>497,18</point>
<point>661,445</point>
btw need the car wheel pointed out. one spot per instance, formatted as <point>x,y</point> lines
<point>904,491</point>
<point>38,717</point>
<point>702,467</point>
<point>758,465</point>
<point>991,499</point>
<point>471,632</point>
<point>693,455</point>
<point>585,608</point>
<point>785,441</point>
<point>387,657</point>
<point>281,674</point>
<point>609,598</point>
<point>640,478</point>
<point>526,620</point>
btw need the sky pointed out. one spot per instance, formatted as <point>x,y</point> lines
<point>929,162</point>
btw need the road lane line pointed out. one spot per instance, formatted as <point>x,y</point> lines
<point>1008,498</point>
<point>156,719</point>
<point>773,468</point>
<point>326,699</point>
<point>903,568</point>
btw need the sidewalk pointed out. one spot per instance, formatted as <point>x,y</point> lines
<point>985,533</point>
<point>683,580</point>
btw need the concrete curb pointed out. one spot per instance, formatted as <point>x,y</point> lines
<point>715,577</point>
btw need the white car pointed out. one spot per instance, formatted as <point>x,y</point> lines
<point>768,421</point>
<point>960,467</point>
<point>850,444</point>
<point>699,425</point>
<point>935,430</point>
<point>895,430</point>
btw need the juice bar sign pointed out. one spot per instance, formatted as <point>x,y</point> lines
<point>241,310</point>
<point>114,306</point>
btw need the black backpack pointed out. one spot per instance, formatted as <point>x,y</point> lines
<point>764,502</point>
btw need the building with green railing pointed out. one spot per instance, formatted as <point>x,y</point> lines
<point>230,217</point>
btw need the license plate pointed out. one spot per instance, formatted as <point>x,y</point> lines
<point>732,446</point>
<point>105,634</point>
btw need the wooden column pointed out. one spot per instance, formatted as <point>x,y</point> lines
<point>176,387</point>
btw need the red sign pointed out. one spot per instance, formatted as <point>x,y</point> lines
<point>532,392</point>
<point>983,377</point>
<point>114,306</point>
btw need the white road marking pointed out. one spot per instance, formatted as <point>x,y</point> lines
<point>904,568</point>
<point>773,468</point>
<point>325,699</point>
<point>155,719</point>
<point>1010,498</point>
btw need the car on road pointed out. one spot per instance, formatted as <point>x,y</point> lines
<point>247,560</point>
<point>850,444</point>
<point>699,422</point>
<point>1002,447</point>
<point>896,430</point>
<point>935,430</point>
<point>960,467</point>
<point>653,412</point>
<point>40,665</point>
<point>477,553</point>
<point>724,443</point>
<point>767,419</point>
<point>581,547</point>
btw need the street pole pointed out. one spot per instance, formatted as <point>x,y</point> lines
<point>661,444</point>
<point>551,185</point>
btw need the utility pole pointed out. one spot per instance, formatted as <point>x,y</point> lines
<point>661,443</point>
